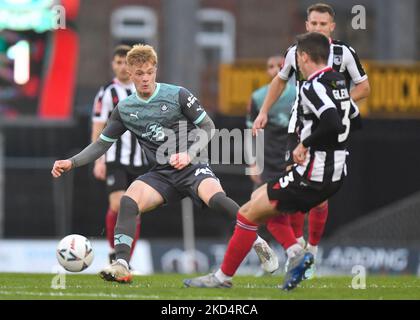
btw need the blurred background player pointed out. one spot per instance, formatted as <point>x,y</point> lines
<point>326,112</point>
<point>275,132</point>
<point>125,160</point>
<point>164,119</point>
<point>343,58</point>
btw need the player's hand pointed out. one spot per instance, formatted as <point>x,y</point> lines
<point>180,160</point>
<point>61,166</point>
<point>99,170</point>
<point>299,154</point>
<point>259,123</point>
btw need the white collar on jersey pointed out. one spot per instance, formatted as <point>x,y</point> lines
<point>152,96</point>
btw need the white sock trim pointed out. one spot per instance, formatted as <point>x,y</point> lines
<point>221,276</point>
<point>312,249</point>
<point>258,240</point>
<point>123,262</point>
<point>293,250</point>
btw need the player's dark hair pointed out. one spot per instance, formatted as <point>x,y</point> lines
<point>121,51</point>
<point>316,45</point>
<point>321,7</point>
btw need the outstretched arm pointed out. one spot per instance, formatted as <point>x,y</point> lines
<point>87,155</point>
<point>113,130</point>
<point>275,90</point>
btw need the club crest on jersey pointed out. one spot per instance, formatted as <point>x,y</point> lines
<point>337,59</point>
<point>154,131</point>
<point>163,108</point>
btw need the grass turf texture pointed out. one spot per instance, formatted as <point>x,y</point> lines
<point>170,287</point>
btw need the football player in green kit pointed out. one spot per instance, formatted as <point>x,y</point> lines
<point>164,118</point>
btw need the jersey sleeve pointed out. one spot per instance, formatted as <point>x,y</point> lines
<point>314,95</point>
<point>102,106</point>
<point>114,127</point>
<point>353,65</point>
<point>289,65</point>
<point>190,106</point>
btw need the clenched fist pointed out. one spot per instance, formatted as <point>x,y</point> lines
<point>61,166</point>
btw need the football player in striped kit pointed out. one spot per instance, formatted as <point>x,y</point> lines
<point>343,59</point>
<point>327,116</point>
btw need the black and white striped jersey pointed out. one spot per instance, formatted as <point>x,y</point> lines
<point>326,159</point>
<point>126,151</point>
<point>342,59</point>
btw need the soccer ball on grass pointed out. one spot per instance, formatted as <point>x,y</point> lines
<point>74,253</point>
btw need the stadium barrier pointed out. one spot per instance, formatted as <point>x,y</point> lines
<point>163,256</point>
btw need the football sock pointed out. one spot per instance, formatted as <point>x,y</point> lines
<point>317,219</point>
<point>110,221</point>
<point>137,236</point>
<point>301,242</point>
<point>221,276</point>
<point>239,245</point>
<point>297,221</point>
<point>123,262</point>
<point>293,250</point>
<point>125,228</point>
<point>279,227</point>
<point>312,249</point>
<point>221,203</point>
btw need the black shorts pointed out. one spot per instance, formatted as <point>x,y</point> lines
<point>174,185</point>
<point>119,177</point>
<point>291,192</point>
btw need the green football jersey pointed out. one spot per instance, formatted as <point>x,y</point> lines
<point>279,114</point>
<point>163,124</point>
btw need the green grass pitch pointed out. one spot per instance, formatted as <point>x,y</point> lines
<point>170,287</point>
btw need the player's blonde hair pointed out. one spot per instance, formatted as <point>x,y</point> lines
<point>140,54</point>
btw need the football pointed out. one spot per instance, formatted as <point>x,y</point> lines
<point>74,253</point>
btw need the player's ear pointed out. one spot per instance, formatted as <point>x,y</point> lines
<point>307,25</point>
<point>332,28</point>
<point>304,56</point>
